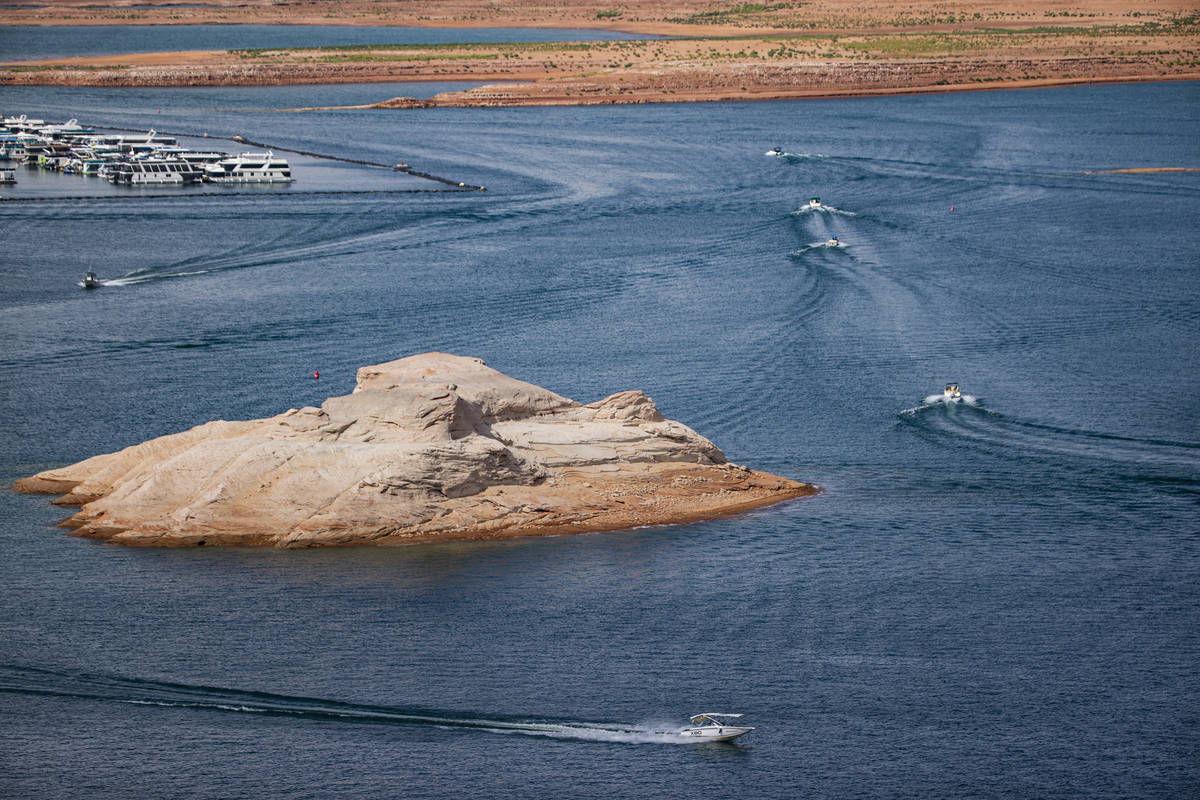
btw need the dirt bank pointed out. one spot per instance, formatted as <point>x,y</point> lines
<point>730,52</point>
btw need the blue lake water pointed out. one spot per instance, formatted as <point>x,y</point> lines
<point>996,600</point>
<point>26,42</point>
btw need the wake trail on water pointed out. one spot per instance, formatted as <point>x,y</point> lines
<point>786,156</point>
<point>822,209</point>
<point>283,249</point>
<point>32,681</point>
<point>969,421</point>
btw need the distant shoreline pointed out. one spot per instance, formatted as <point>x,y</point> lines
<point>778,51</point>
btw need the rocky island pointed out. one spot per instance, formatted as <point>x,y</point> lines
<point>432,447</point>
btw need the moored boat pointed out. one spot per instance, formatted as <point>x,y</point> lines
<point>249,168</point>
<point>155,171</point>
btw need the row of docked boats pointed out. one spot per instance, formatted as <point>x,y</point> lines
<point>136,159</point>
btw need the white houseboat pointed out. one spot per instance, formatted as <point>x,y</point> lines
<point>152,171</point>
<point>249,168</point>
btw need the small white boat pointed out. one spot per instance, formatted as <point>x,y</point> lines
<point>833,242</point>
<point>774,151</point>
<point>814,202</point>
<point>90,281</point>
<point>714,728</point>
<point>951,393</point>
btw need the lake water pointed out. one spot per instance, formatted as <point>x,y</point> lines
<point>27,42</point>
<point>990,600</point>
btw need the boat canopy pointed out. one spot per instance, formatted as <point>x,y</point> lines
<point>713,718</point>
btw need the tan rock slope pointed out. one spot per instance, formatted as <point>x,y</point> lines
<point>427,448</point>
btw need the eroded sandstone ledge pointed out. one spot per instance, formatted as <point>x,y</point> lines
<point>427,448</point>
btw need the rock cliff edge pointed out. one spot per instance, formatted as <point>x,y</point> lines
<point>427,448</point>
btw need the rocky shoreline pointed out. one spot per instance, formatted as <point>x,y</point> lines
<point>427,448</point>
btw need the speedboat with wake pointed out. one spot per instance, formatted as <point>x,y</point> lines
<point>714,728</point>
<point>833,242</point>
<point>951,394</point>
<point>814,203</point>
<point>90,281</point>
<point>774,151</point>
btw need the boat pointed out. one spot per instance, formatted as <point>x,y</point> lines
<point>23,123</point>
<point>814,202</point>
<point>7,175</point>
<point>833,242</point>
<point>151,170</point>
<point>249,168</point>
<point>12,147</point>
<point>714,728</point>
<point>67,130</point>
<point>90,281</point>
<point>951,393</point>
<point>774,151</point>
<point>201,157</point>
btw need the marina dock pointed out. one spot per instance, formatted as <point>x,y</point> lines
<point>152,158</point>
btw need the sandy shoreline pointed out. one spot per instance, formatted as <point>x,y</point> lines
<point>829,48</point>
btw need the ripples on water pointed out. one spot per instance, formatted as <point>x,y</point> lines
<point>990,599</point>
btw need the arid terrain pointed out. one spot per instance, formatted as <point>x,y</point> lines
<point>722,50</point>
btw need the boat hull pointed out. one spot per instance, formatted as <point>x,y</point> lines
<point>714,733</point>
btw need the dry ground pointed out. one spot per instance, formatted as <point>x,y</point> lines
<point>729,50</point>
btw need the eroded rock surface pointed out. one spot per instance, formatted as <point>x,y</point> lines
<point>425,448</point>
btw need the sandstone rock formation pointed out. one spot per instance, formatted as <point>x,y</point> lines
<point>430,447</point>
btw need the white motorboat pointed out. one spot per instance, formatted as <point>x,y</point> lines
<point>814,202</point>
<point>833,242</point>
<point>774,151</point>
<point>951,393</point>
<point>66,130</point>
<point>714,728</point>
<point>90,281</point>
<point>249,168</point>
<point>23,123</point>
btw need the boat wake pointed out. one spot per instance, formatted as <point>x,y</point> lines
<point>796,156</point>
<point>968,421</point>
<point>822,209</point>
<point>131,691</point>
<point>942,400</point>
<point>146,275</point>
<point>827,245</point>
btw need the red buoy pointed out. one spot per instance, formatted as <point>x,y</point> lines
<point>316,375</point>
